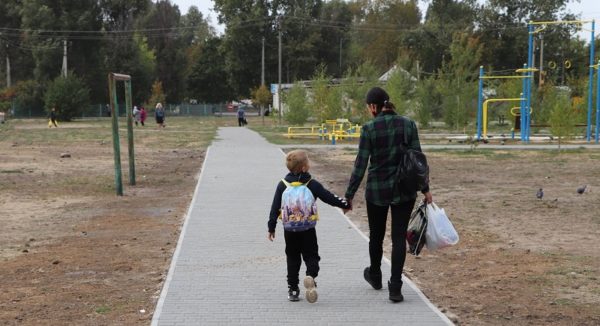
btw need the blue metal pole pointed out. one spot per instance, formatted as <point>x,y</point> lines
<point>597,100</point>
<point>480,103</point>
<point>523,104</point>
<point>529,81</point>
<point>591,85</point>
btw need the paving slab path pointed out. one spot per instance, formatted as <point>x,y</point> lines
<point>225,271</point>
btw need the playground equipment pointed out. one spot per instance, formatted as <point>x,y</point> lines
<point>112,87</point>
<point>527,88</point>
<point>528,71</point>
<point>482,105</point>
<point>597,67</point>
<point>332,130</point>
<point>485,108</point>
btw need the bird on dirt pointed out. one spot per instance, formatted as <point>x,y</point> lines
<point>540,194</point>
<point>581,189</point>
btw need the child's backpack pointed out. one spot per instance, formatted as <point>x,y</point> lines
<point>298,207</point>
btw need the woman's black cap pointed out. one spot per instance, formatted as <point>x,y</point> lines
<point>377,95</point>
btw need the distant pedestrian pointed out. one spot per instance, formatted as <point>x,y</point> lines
<point>241,115</point>
<point>53,118</point>
<point>159,114</point>
<point>143,115</point>
<point>136,114</point>
<point>295,204</point>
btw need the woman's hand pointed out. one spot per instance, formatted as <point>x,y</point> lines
<point>271,236</point>
<point>428,197</point>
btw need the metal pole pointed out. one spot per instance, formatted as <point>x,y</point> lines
<point>129,110</point>
<point>591,85</point>
<point>262,72</point>
<point>64,64</point>
<point>340,57</point>
<point>541,80</point>
<point>529,83</point>
<point>115,133</point>
<point>523,103</point>
<point>597,100</point>
<point>279,79</point>
<point>480,102</point>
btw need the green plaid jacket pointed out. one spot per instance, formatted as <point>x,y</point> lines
<point>379,149</point>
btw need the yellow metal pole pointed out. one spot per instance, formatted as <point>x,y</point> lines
<point>558,22</point>
<point>485,107</point>
<point>504,77</point>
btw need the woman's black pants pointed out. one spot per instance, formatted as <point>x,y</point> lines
<point>377,223</point>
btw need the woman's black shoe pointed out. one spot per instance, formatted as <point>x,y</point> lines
<point>395,292</point>
<point>373,279</point>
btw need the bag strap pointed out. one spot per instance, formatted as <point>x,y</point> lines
<point>295,183</point>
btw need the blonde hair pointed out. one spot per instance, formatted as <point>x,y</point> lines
<point>296,160</point>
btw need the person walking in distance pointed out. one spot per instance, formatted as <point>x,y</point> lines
<point>53,118</point>
<point>143,115</point>
<point>379,149</point>
<point>136,115</point>
<point>159,115</point>
<point>295,204</point>
<point>241,115</point>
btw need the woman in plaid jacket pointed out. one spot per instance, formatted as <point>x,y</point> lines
<point>379,149</point>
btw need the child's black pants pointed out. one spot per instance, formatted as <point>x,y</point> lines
<point>298,246</point>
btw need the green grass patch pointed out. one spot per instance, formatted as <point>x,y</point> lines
<point>11,171</point>
<point>102,310</point>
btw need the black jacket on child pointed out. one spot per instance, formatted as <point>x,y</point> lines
<point>314,186</point>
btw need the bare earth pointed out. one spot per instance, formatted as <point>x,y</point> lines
<point>74,253</point>
<point>520,260</point>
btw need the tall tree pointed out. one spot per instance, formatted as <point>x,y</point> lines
<point>49,23</point>
<point>161,25</point>
<point>208,80</point>
<point>430,44</point>
<point>335,24</point>
<point>127,52</point>
<point>502,27</point>
<point>381,32</point>
<point>246,23</point>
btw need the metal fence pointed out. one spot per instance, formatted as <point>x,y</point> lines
<point>102,110</point>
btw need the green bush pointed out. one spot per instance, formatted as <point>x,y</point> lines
<point>68,95</point>
<point>297,111</point>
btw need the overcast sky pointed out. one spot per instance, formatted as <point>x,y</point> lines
<point>589,9</point>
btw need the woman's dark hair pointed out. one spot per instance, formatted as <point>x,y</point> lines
<point>380,98</point>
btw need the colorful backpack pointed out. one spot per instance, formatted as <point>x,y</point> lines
<point>298,207</point>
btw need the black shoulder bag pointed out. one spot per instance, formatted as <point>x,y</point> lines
<point>412,174</point>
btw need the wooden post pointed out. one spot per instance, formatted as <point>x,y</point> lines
<point>115,133</point>
<point>129,106</point>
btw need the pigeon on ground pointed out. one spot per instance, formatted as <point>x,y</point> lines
<point>540,194</point>
<point>581,189</point>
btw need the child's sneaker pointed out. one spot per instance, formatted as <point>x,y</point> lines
<point>311,289</point>
<point>293,293</point>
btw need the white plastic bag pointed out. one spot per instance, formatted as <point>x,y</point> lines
<point>440,232</point>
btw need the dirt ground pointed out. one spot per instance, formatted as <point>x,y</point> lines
<point>520,260</point>
<point>74,253</point>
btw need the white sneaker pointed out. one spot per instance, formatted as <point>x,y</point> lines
<point>311,289</point>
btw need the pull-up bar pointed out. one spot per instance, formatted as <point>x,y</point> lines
<point>527,84</point>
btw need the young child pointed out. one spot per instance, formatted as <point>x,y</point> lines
<point>295,204</point>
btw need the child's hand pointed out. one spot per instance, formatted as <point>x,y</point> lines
<point>271,236</point>
<point>346,210</point>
